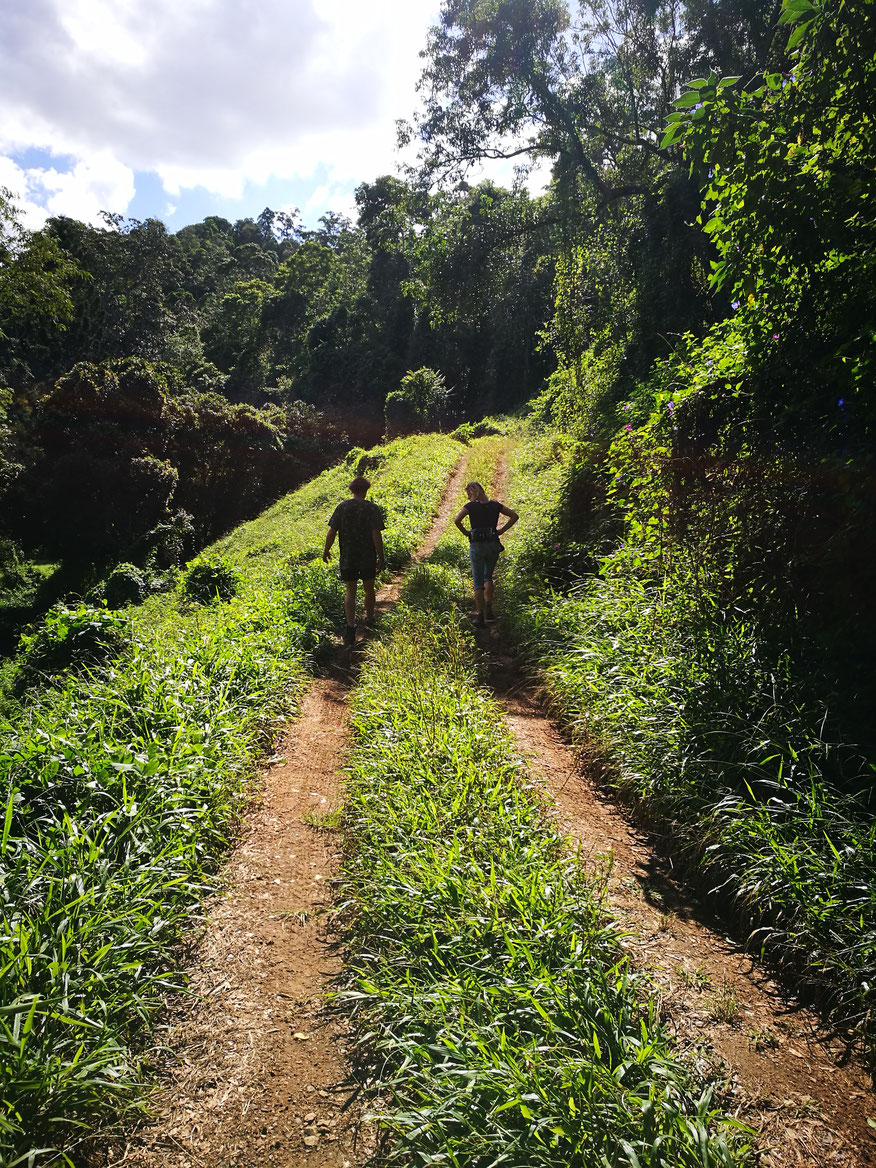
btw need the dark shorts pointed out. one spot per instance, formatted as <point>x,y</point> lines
<point>359,570</point>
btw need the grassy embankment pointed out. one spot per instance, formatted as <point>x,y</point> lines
<point>122,783</point>
<point>711,736</point>
<point>486,985</point>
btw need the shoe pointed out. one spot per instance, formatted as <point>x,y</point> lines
<point>350,636</point>
<point>490,615</point>
<point>480,622</point>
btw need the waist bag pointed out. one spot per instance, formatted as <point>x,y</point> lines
<point>483,534</point>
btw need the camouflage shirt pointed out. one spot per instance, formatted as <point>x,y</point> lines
<point>355,520</point>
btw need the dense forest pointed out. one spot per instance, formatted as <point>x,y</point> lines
<point>691,299</point>
<point>708,288</point>
<point>159,388</point>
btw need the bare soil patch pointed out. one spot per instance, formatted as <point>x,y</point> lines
<point>255,1071</point>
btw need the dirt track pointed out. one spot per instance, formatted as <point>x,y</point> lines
<point>255,1071</point>
<point>799,1089</point>
<point>787,1079</point>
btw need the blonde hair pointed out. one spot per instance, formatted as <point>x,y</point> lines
<point>482,496</point>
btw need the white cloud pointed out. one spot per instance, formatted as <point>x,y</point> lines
<point>210,93</point>
<point>336,195</point>
<point>92,185</point>
<point>14,179</point>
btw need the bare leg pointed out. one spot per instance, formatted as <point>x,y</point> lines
<point>480,603</point>
<point>368,589</point>
<point>488,593</point>
<point>350,601</point>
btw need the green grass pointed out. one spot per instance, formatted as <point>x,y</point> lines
<point>494,1010</point>
<point>451,551</point>
<point>282,547</point>
<point>121,786</point>
<point>705,726</point>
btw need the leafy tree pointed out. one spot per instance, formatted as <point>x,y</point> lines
<point>790,204</point>
<point>208,249</point>
<point>484,265</point>
<point>131,303</point>
<point>231,458</point>
<point>589,87</point>
<point>233,335</point>
<point>101,478</point>
<point>9,468</point>
<point>36,280</point>
<point>745,464</point>
<point>418,404</point>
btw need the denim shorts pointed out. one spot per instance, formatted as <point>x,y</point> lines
<point>483,558</point>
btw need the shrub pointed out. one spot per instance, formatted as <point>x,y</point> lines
<point>170,543</point>
<point>126,584</point>
<point>468,431</point>
<point>18,578</point>
<point>417,404</point>
<point>207,580</point>
<point>72,636</point>
<point>365,462</point>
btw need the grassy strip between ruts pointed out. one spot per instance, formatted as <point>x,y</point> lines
<point>490,996</point>
<point>710,734</point>
<point>121,786</point>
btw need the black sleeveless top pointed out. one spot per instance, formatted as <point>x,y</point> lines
<point>483,518</point>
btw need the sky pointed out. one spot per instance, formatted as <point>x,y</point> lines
<point>179,109</point>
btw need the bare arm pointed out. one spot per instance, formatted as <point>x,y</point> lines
<point>458,521</point>
<point>329,540</point>
<point>377,536</point>
<point>512,519</point>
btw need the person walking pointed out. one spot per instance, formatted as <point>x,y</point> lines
<point>358,524</point>
<point>484,547</point>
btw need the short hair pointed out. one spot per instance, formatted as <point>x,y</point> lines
<point>359,485</point>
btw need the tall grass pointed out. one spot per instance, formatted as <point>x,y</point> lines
<point>710,731</point>
<point>488,990</point>
<point>121,785</point>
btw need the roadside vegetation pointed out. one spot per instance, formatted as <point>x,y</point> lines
<point>485,980</point>
<point>706,724</point>
<point>124,766</point>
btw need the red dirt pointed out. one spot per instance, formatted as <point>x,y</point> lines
<point>795,1086</point>
<point>799,1089</point>
<point>255,1072</point>
<point>252,1066</point>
